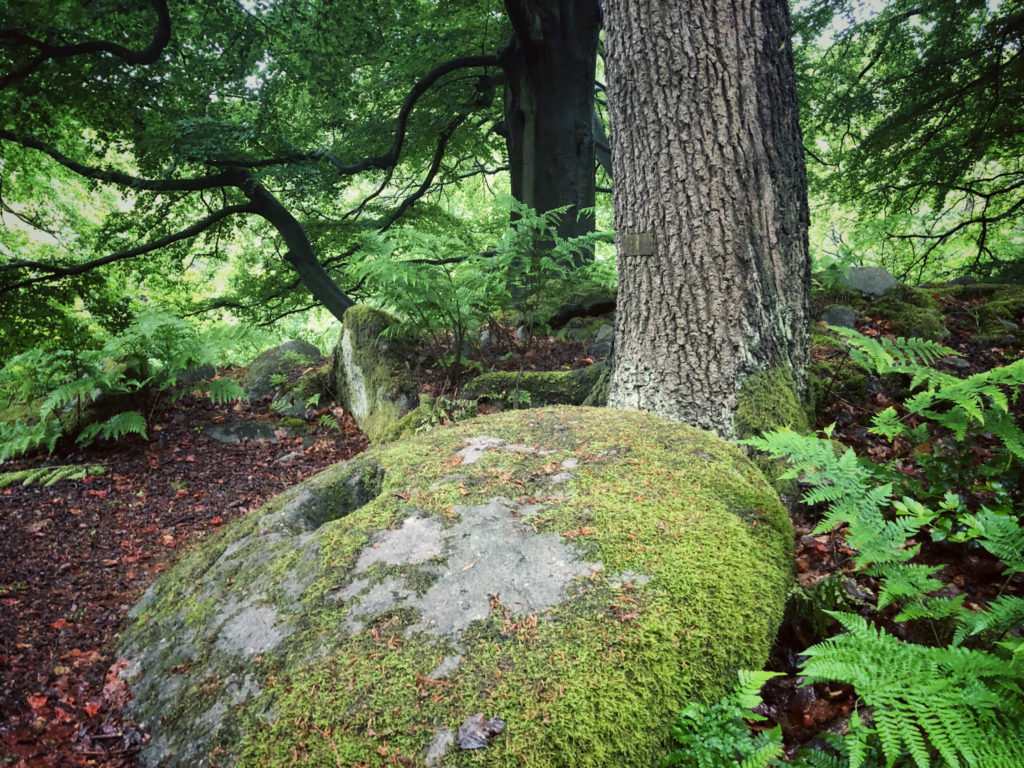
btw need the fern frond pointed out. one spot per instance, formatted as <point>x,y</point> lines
<point>114,428</point>
<point>1002,615</point>
<point>952,700</point>
<point>50,475</point>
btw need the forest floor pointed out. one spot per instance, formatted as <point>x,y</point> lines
<point>78,554</point>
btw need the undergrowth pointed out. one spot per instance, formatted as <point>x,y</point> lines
<point>958,698</point>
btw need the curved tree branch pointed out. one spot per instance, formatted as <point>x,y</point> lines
<point>229,178</point>
<point>59,271</point>
<point>388,159</point>
<point>48,52</point>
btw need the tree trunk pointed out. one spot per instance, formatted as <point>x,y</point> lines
<point>300,253</point>
<point>710,205</point>
<point>549,97</point>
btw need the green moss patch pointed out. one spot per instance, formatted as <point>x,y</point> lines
<point>768,400</point>
<point>535,388</point>
<point>612,567</point>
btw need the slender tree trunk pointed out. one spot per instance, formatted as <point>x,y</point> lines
<point>710,205</point>
<point>549,98</point>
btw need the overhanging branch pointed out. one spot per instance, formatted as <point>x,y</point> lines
<point>60,271</point>
<point>48,52</point>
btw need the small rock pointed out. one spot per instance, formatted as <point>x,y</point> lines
<point>601,346</point>
<point>288,458</point>
<point>477,731</point>
<point>955,361</point>
<point>870,281</point>
<point>840,315</point>
<point>1008,325</point>
<point>235,432</point>
<point>439,746</point>
<point>522,334</point>
<point>486,340</point>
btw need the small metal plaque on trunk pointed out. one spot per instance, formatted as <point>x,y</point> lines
<point>637,244</point>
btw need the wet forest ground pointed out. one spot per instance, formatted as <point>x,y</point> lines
<point>76,555</point>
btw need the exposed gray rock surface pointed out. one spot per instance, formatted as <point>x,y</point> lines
<point>260,378</point>
<point>870,281</point>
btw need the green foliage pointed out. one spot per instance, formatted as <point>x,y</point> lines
<point>114,428</point>
<point>441,287</point>
<point>716,735</point>
<point>946,417</point>
<point>911,117</point>
<point>962,704</point>
<point>50,475</point>
<point>53,391</point>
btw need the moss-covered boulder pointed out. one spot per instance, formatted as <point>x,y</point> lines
<point>535,388</point>
<point>312,388</point>
<point>372,375</point>
<point>908,311</point>
<point>548,585</point>
<point>274,366</point>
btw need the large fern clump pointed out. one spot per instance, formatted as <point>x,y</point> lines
<point>44,393</point>
<point>959,702</point>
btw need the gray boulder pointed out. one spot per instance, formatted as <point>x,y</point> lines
<point>516,589</point>
<point>869,281</point>
<point>841,315</point>
<point>268,371</point>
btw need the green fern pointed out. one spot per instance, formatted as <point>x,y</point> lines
<point>49,475</point>
<point>223,390</point>
<point>1001,535</point>
<point>958,703</point>
<point>716,735</point>
<point>114,428</point>
<point>1002,615</point>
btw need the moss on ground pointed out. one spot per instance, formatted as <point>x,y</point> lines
<point>536,388</point>
<point>593,681</point>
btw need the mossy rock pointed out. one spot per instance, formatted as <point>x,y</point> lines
<point>579,573</point>
<point>909,311</point>
<point>371,374</point>
<point>311,389</point>
<point>535,388</point>
<point>1003,311</point>
<point>272,368</point>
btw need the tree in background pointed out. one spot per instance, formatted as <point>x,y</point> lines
<point>323,125</point>
<point>913,116</point>
<point>710,206</point>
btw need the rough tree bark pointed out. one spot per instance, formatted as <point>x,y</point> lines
<point>549,100</point>
<point>710,205</point>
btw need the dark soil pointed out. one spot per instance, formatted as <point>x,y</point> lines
<point>74,558</point>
